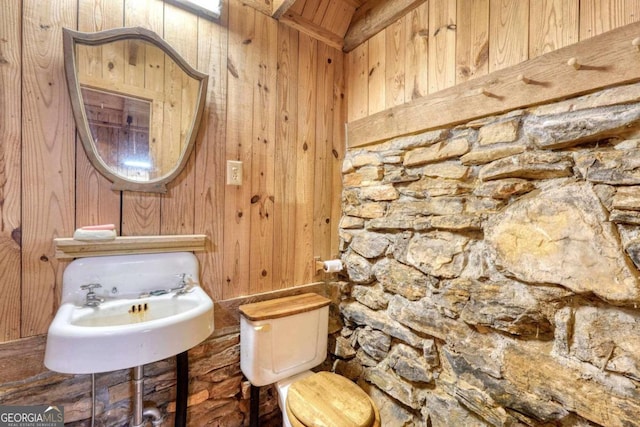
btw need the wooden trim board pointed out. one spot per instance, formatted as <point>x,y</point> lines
<point>68,248</point>
<point>605,60</point>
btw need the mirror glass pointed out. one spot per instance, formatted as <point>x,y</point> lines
<point>137,105</point>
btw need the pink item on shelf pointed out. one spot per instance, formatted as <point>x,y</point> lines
<point>99,227</point>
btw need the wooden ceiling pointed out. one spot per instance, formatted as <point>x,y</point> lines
<point>343,24</point>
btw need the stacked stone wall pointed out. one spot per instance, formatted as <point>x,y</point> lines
<point>218,392</point>
<point>492,269</point>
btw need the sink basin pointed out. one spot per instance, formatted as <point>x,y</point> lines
<point>130,327</point>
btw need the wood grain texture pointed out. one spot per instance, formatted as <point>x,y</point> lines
<point>263,155</point>
<point>323,179</point>
<point>416,75</point>
<point>48,135</point>
<point>305,157</point>
<point>54,169</point>
<point>242,62</point>
<point>285,158</point>
<point>227,314</point>
<point>279,7</point>
<point>611,58</point>
<point>10,171</point>
<point>395,61</point>
<point>96,202</point>
<point>338,149</point>
<point>178,204</point>
<point>210,153</point>
<point>311,8</point>
<point>285,306</point>
<point>600,16</point>
<point>357,87</point>
<point>22,359</point>
<point>68,248</point>
<point>442,44</point>
<point>307,26</point>
<point>338,17</point>
<point>553,24</point>
<point>318,17</point>
<point>508,35</point>
<point>376,71</point>
<point>472,40</point>
<point>373,17</point>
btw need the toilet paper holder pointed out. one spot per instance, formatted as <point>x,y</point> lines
<point>328,266</point>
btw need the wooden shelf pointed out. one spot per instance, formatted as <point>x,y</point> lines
<point>67,248</point>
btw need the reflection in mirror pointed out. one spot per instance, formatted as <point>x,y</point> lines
<point>137,105</point>
<point>120,130</point>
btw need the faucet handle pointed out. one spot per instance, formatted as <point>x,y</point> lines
<point>90,287</point>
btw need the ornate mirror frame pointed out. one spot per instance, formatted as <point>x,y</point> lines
<point>72,38</point>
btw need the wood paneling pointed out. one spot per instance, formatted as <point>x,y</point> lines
<point>210,154</point>
<point>92,189</point>
<point>263,154</point>
<point>375,16</point>
<point>305,149</point>
<point>442,46</point>
<point>323,178</point>
<point>553,24</point>
<point>466,40</point>
<point>600,16</point>
<point>48,175</point>
<point>237,199</point>
<point>10,171</point>
<point>358,82</point>
<point>472,40</point>
<point>609,59</point>
<point>395,61</point>
<point>178,204</point>
<point>338,146</point>
<point>376,85</point>
<point>272,103</point>
<point>284,248</point>
<point>508,32</point>
<point>416,80</point>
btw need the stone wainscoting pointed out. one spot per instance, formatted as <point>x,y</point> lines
<point>492,269</point>
<point>218,392</point>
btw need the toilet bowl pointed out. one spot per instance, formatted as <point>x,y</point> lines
<point>280,341</point>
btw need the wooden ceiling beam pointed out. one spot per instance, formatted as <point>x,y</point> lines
<point>374,16</point>
<point>280,7</point>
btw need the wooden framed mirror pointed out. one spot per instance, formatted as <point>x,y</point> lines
<point>137,105</point>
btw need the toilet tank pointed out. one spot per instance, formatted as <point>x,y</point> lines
<point>282,337</point>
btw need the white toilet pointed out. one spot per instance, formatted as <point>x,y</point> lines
<point>280,341</point>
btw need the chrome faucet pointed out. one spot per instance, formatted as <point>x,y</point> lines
<point>185,285</point>
<point>93,300</point>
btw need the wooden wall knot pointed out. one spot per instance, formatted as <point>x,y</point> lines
<point>16,235</point>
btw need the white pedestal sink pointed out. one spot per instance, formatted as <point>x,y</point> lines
<point>148,307</point>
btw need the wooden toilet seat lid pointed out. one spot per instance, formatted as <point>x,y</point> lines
<point>327,399</point>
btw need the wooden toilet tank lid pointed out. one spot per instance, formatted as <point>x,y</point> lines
<point>327,399</point>
<point>281,307</point>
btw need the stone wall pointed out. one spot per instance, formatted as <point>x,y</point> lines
<point>492,269</point>
<point>218,392</point>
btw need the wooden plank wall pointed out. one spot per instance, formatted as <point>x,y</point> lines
<point>273,98</point>
<point>447,42</point>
